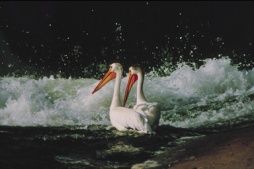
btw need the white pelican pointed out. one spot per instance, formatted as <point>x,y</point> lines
<point>122,118</point>
<point>152,110</point>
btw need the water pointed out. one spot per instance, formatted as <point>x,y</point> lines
<point>216,93</point>
<point>82,147</point>
<point>66,126</point>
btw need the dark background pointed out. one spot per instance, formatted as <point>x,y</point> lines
<point>43,38</point>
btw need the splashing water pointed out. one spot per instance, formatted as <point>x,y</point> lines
<point>215,94</point>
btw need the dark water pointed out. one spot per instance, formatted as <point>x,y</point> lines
<point>83,147</point>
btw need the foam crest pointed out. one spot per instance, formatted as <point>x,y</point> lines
<point>214,94</point>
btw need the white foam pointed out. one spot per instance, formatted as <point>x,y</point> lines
<point>212,94</point>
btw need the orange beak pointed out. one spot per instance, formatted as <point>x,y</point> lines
<point>108,76</point>
<point>132,79</point>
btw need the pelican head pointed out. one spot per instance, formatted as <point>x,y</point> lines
<point>134,71</point>
<point>111,74</point>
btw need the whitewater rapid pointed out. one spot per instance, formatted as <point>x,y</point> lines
<point>214,94</point>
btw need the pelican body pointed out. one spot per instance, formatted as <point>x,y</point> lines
<point>151,109</point>
<point>120,117</point>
